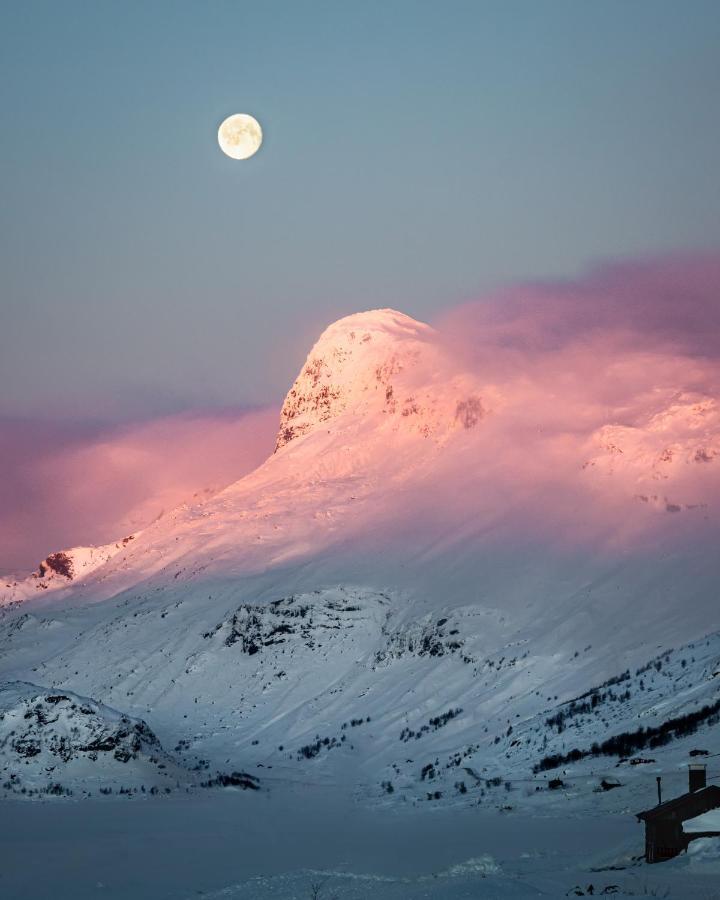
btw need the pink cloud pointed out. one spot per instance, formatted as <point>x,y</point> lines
<point>67,485</point>
<point>607,407</point>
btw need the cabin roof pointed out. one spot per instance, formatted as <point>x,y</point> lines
<point>709,794</point>
<point>704,823</point>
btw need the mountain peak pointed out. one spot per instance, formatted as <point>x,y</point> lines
<point>350,369</point>
<point>387,320</point>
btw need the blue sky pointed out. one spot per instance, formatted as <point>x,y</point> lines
<point>416,155</point>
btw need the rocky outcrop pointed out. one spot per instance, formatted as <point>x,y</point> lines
<point>59,569</point>
<point>58,738</point>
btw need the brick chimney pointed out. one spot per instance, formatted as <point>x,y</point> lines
<point>696,777</point>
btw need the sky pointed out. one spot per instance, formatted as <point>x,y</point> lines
<point>417,155</point>
<point>427,156</point>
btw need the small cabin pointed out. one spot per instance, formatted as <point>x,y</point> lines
<point>670,826</point>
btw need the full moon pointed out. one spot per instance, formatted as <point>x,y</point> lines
<point>240,136</point>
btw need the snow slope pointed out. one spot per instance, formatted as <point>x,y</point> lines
<point>435,561</point>
<point>59,570</point>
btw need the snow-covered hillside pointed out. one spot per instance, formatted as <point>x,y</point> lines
<point>49,740</point>
<point>444,577</point>
<point>60,569</point>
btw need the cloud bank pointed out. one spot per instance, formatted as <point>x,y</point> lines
<point>603,389</point>
<point>68,485</point>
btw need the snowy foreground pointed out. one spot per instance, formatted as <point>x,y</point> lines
<point>278,844</point>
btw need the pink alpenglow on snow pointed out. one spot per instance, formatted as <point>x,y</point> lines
<point>592,406</point>
<point>576,414</point>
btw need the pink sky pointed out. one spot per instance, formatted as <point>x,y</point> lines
<point>68,485</point>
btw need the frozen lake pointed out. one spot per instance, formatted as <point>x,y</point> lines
<point>237,844</point>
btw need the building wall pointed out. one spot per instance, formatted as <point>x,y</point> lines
<point>664,838</point>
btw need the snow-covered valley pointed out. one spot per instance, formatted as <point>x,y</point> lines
<point>413,612</point>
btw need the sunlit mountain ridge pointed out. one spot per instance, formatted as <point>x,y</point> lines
<point>444,548</point>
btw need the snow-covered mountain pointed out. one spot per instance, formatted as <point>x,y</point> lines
<point>439,556</point>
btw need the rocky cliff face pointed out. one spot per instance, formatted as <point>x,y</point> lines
<point>376,365</point>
